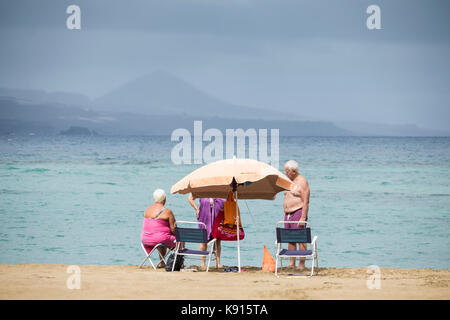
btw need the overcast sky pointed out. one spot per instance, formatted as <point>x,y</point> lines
<point>316,58</point>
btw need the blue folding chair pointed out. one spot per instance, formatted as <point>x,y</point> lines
<point>301,235</point>
<point>193,235</point>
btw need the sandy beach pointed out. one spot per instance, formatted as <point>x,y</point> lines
<point>48,281</point>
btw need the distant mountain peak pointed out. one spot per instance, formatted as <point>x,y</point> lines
<point>162,93</point>
<point>161,74</point>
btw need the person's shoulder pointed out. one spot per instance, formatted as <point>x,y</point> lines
<point>168,212</point>
<point>147,211</point>
<point>302,180</point>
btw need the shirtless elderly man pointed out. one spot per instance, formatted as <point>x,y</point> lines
<point>296,205</point>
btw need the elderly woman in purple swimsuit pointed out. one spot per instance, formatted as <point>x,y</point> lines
<point>207,213</point>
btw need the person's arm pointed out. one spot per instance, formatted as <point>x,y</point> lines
<point>145,211</point>
<point>171,221</point>
<point>193,204</point>
<point>305,197</point>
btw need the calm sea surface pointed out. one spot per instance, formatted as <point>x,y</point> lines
<point>79,200</point>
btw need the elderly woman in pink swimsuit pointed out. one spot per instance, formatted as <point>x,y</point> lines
<point>159,225</point>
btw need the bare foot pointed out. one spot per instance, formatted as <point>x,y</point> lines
<point>301,267</point>
<point>291,266</point>
<point>161,265</point>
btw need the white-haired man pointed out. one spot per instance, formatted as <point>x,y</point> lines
<point>296,204</point>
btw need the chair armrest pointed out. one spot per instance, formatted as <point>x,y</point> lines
<point>305,223</point>
<point>211,242</point>
<point>313,243</point>
<point>190,222</point>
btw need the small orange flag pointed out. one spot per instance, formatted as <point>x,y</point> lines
<point>268,261</point>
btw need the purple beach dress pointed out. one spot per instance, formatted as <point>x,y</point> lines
<point>207,215</point>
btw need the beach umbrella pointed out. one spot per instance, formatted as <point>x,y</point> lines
<point>246,178</point>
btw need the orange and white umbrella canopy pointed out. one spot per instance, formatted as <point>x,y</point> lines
<point>255,180</point>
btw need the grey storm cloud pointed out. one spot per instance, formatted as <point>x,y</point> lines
<point>404,20</point>
<point>315,58</point>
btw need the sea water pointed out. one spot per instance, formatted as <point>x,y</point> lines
<point>80,200</point>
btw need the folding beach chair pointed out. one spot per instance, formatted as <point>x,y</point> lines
<point>155,248</point>
<point>193,235</point>
<point>301,235</point>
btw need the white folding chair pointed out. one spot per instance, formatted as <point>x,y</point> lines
<point>148,255</point>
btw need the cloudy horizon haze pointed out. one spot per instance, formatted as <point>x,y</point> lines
<point>316,59</point>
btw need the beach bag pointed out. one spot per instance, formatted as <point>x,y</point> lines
<point>268,261</point>
<point>225,232</point>
<point>178,263</point>
<point>229,208</point>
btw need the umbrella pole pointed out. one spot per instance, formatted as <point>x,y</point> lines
<point>237,230</point>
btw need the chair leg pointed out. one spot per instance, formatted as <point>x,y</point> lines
<point>164,257</point>
<point>216,262</point>
<point>317,260</point>
<point>143,262</point>
<point>276,266</point>
<point>152,263</point>
<point>175,257</point>
<point>209,261</point>
<point>161,257</point>
<point>212,251</point>
<point>150,259</point>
